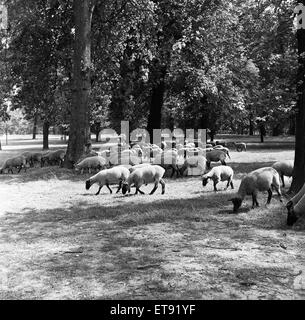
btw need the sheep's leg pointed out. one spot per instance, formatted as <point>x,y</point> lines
<point>107,185</point>
<point>20,169</point>
<point>254,201</point>
<point>215,188</point>
<point>155,188</point>
<point>208,164</point>
<point>269,196</point>
<point>223,163</point>
<point>163,185</point>
<point>120,187</point>
<point>278,190</point>
<point>99,190</point>
<point>283,181</point>
<point>138,190</point>
<point>173,172</point>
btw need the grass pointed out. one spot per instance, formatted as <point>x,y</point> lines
<point>59,241</point>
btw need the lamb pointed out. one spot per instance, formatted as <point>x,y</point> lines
<point>217,174</point>
<point>106,177</point>
<point>284,168</point>
<point>194,162</point>
<point>296,207</point>
<point>16,162</point>
<point>145,175</point>
<point>240,146</point>
<point>91,163</point>
<point>262,179</point>
<point>215,156</point>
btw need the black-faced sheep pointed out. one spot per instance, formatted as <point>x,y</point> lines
<point>215,156</point>
<point>107,177</point>
<point>217,174</point>
<point>96,163</point>
<point>296,207</point>
<point>262,179</point>
<point>16,162</point>
<point>145,175</point>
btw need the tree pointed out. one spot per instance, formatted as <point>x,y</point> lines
<point>79,124</point>
<point>299,159</point>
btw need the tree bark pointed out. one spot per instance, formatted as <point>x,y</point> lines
<point>251,127</point>
<point>155,112</point>
<point>35,127</point>
<point>299,159</point>
<point>79,123</point>
<point>46,127</point>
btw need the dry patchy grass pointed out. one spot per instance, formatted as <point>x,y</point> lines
<point>59,241</point>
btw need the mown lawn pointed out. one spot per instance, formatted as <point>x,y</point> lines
<point>59,241</point>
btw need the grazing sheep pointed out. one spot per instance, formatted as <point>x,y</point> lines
<point>53,157</point>
<point>90,163</point>
<point>28,157</point>
<point>107,177</point>
<point>116,159</point>
<point>16,162</point>
<point>224,149</point>
<point>168,160</point>
<point>215,156</point>
<point>296,207</point>
<point>262,179</point>
<point>89,154</point>
<point>133,168</point>
<point>194,162</point>
<point>145,175</point>
<point>284,168</point>
<point>217,174</point>
<point>240,146</point>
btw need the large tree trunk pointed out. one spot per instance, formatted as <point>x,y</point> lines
<point>299,159</point>
<point>79,123</point>
<point>155,112</point>
<point>251,126</point>
<point>46,127</point>
<point>35,127</point>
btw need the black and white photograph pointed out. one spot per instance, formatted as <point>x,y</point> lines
<point>152,150</point>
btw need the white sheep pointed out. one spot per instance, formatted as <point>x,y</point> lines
<point>90,163</point>
<point>296,207</point>
<point>284,168</point>
<point>217,174</point>
<point>107,177</point>
<point>133,168</point>
<point>116,159</point>
<point>145,175</point>
<point>215,156</point>
<point>15,162</point>
<point>262,179</point>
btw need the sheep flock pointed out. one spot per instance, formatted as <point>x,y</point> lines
<point>145,163</point>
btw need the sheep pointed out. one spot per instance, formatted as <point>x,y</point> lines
<point>194,162</point>
<point>168,160</point>
<point>16,162</point>
<point>116,159</point>
<point>88,155</point>
<point>106,177</point>
<point>28,157</point>
<point>262,179</point>
<point>296,207</point>
<point>224,149</point>
<point>215,156</point>
<point>220,173</point>
<point>133,168</point>
<point>145,175</point>
<point>52,157</point>
<point>284,168</point>
<point>90,163</point>
<point>240,146</point>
